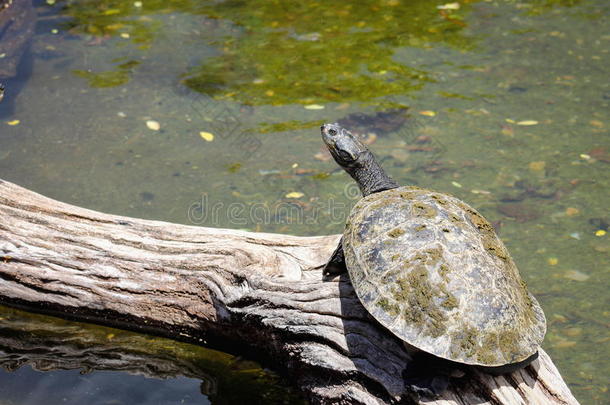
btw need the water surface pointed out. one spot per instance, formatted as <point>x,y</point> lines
<point>183,110</point>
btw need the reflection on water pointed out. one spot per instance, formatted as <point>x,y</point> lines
<point>207,113</point>
<point>92,364</point>
<point>28,387</point>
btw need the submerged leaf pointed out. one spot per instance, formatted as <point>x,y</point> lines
<point>153,125</point>
<point>527,122</point>
<point>314,107</point>
<point>576,275</point>
<point>209,137</point>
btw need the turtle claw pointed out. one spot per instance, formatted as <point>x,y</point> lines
<point>335,265</point>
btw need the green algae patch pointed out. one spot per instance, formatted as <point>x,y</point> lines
<point>450,302</point>
<point>408,195</point>
<point>419,209</point>
<point>494,247</point>
<point>396,232</point>
<point>439,199</point>
<point>391,309</point>
<point>111,78</point>
<point>444,272</point>
<point>292,125</point>
<point>477,220</point>
<point>104,79</point>
<point>417,297</point>
<point>329,53</point>
<point>490,241</point>
<point>499,347</point>
<point>464,342</point>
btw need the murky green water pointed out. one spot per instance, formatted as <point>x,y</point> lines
<point>98,365</point>
<point>503,104</point>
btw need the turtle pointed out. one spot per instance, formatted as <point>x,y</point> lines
<point>431,270</point>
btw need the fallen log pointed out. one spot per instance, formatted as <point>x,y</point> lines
<point>261,292</point>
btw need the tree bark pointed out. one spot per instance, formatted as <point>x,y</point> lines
<point>261,292</point>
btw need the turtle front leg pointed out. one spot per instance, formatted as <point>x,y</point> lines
<point>336,264</point>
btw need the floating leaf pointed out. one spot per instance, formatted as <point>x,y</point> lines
<point>428,113</point>
<point>153,125</point>
<point>234,168</point>
<point>456,184</point>
<point>112,11</point>
<point>552,261</point>
<point>206,136</point>
<point>449,6</point>
<point>13,122</point>
<point>571,211</point>
<point>295,194</point>
<point>527,122</point>
<point>600,232</point>
<point>314,107</point>
<point>321,176</point>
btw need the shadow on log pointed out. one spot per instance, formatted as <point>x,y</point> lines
<point>262,292</point>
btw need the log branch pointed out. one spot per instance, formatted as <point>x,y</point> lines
<point>260,291</point>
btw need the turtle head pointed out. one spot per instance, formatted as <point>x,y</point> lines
<point>345,147</point>
<point>354,157</point>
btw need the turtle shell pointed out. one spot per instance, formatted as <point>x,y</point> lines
<point>432,270</point>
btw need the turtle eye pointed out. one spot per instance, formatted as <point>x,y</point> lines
<point>332,132</point>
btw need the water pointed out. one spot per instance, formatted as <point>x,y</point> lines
<point>54,361</point>
<point>503,104</point>
<point>26,386</point>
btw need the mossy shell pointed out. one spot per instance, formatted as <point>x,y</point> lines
<point>432,270</point>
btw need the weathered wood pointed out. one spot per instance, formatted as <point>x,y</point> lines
<point>262,291</point>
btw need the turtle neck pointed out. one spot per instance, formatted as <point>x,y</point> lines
<point>369,175</point>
